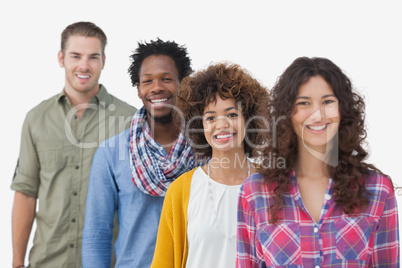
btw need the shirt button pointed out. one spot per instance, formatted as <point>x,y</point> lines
<point>72,220</point>
<point>327,196</point>
<point>77,167</point>
<point>71,245</point>
<point>75,116</point>
<point>78,141</point>
<point>317,266</point>
<point>315,229</point>
<point>75,193</point>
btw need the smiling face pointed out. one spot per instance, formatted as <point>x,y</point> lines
<point>316,114</point>
<point>224,125</point>
<point>159,80</point>
<point>83,62</point>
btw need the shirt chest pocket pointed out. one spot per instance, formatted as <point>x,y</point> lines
<point>352,237</point>
<point>50,155</point>
<point>281,244</point>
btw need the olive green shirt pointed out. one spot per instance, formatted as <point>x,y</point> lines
<point>55,159</point>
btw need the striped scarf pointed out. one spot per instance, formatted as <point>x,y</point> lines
<point>152,171</point>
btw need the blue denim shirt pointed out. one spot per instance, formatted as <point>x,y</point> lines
<point>111,189</point>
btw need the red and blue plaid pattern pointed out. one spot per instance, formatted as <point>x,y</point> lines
<point>365,239</point>
<point>351,237</point>
<point>281,244</point>
<point>152,170</point>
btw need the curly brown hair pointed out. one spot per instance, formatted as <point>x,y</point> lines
<point>351,172</point>
<point>227,81</point>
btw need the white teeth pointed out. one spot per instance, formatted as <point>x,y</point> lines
<point>224,136</point>
<point>159,101</point>
<point>317,127</point>
<point>83,76</point>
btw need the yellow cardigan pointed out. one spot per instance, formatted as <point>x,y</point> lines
<point>171,243</point>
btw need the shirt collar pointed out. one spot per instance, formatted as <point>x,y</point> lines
<point>102,98</point>
<point>293,187</point>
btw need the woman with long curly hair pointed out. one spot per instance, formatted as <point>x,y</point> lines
<point>223,109</point>
<point>325,207</point>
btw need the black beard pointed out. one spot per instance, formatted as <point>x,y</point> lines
<point>164,120</point>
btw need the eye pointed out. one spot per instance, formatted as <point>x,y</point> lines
<point>232,115</point>
<point>167,79</point>
<point>146,81</point>
<point>209,118</point>
<point>303,103</point>
<point>328,102</point>
<point>95,57</point>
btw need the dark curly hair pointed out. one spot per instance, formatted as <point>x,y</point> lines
<point>227,81</point>
<point>154,48</point>
<point>351,172</point>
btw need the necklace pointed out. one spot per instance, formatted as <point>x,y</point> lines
<point>211,199</point>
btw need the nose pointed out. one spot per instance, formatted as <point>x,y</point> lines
<point>157,86</point>
<point>84,65</point>
<point>318,115</point>
<point>322,112</point>
<point>222,122</point>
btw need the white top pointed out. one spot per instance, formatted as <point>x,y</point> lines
<point>208,239</point>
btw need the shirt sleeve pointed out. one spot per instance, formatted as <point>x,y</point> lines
<point>386,248</point>
<point>100,210</point>
<point>246,232</point>
<point>26,179</point>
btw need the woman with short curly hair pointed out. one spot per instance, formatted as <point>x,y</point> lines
<point>223,109</point>
<point>325,207</point>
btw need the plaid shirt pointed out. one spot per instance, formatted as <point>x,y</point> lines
<point>366,239</point>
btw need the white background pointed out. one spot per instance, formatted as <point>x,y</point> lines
<point>362,37</point>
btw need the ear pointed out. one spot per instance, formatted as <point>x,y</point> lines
<point>104,60</point>
<point>60,58</point>
<point>138,89</point>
